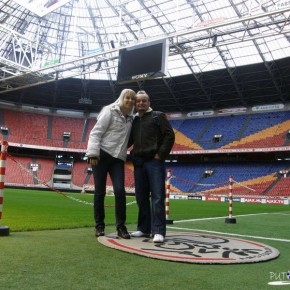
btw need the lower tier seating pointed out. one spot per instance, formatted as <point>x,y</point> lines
<point>249,178</point>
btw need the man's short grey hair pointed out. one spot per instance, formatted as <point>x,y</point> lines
<point>143,93</point>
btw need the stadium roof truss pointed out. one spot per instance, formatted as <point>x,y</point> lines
<point>82,39</point>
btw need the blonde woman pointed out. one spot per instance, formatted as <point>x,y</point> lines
<point>107,152</point>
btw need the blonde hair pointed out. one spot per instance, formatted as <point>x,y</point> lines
<point>124,93</point>
<point>120,101</point>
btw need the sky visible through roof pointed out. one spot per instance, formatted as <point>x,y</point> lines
<point>204,35</point>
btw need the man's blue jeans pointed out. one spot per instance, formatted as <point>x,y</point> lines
<point>150,182</point>
<point>115,167</point>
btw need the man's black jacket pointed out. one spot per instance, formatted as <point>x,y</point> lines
<point>150,136</point>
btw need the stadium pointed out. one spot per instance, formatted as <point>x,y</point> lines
<point>220,72</point>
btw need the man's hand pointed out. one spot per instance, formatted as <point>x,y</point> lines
<point>157,157</point>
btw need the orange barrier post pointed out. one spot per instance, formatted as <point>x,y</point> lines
<point>231,219</point>
<point>168,177</point>
<point>4,231</point>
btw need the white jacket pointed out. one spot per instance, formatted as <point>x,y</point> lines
<point>110,133</point>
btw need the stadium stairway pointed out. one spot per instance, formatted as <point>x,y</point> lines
<point>272,185</point>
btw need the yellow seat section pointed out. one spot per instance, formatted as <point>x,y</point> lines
<point>271,132</point>
<point>181,139</point>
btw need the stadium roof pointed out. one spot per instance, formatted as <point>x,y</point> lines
<point>64,54</point>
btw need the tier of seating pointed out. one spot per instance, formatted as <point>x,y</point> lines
<point>235,131</point>
<point>252,178</point>
<point>45,130</point>
<point>20,171</point>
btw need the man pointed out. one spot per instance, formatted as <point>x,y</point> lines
<point>152,138</point>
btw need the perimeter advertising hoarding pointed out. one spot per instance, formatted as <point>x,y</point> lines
<point>192,197</point>
<point>264,200</point>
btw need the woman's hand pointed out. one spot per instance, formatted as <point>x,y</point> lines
<point>93,160</point>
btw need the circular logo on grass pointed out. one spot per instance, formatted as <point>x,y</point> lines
<point>194,248</point>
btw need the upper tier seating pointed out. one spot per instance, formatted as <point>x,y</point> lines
<point>44,130</point>
<point>237,131</point>
<point>74,126</point>
<point>26,128</point>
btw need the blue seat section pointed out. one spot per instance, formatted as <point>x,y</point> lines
<point>186,176</point>
<point>192,128</point>
<point>231,127</point>
<point>227,126</point>
<point>263,121</point>
<point>177,124</point>
<point>190,177</point>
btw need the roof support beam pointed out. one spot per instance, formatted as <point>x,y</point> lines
<point>89,62</point>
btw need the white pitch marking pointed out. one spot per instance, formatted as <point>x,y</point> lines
<point>279,283</point>
<point>280,213</point>
<point>229,234</point>
<point>220,217</point>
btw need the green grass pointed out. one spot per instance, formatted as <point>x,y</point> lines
<point>52,245</point>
